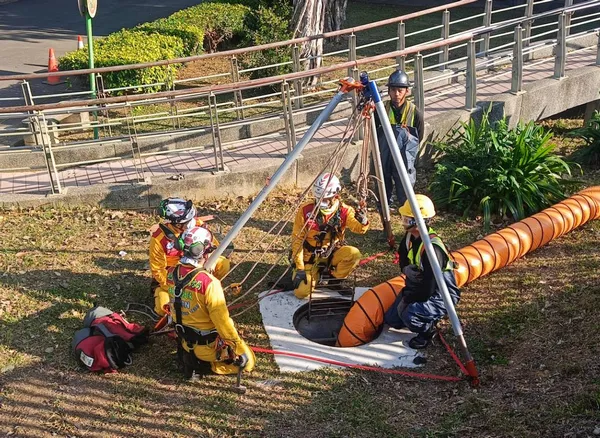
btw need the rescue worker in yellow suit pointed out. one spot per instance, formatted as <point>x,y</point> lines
<point>318,237</point>
<point>207,338</point>
<point>165,246</point>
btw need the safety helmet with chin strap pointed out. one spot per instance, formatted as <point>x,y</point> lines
<point>426,208</point>
<point>197,242</point>
<point>177,210</point>
<point>326,186</point>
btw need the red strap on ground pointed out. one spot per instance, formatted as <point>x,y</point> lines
<point>453,355</point>
<point>358,367</point>
<point>370,259</point>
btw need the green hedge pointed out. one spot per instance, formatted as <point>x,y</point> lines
<point>191,35</point>
<point>129,47</point>
<point>185,33</point>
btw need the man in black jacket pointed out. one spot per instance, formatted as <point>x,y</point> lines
<point>420,305</point>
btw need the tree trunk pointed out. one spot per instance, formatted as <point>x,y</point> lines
<point>313,17</point>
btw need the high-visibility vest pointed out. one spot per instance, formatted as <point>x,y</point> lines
<point>415,255</point>
<point>408,114</point>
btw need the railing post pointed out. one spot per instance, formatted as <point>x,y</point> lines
<point>287,119</point>
<point>561,48</point>
<point>291,115</point>
<point>237,95</point>
<point>471,98</point>
<point>216,133</point>
<point>418,86</point>
<point>487,22</point>
<point>445,36</point>
<point>517,61</point>
<point>31,120</point>
<point>298,82</point>
<point>598,51</point>
<point>48,154</point>
<point>401,45</point>
<point>527,27</point>
<point>101,93</point>
<point>351,51</point>
<point>568,3</point>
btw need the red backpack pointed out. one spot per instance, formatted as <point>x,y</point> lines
<point>107,341</point>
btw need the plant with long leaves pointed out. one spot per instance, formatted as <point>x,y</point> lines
<point>489,169</point>
<point>590,133</point>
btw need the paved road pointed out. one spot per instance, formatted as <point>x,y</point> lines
<point>28,28</point>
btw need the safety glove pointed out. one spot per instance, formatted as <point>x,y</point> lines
<point>361,216</point>
<point>299,278</point>
<point>413,273</point>
<point>241,361</point>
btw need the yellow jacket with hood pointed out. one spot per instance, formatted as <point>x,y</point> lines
<point>314,226</point>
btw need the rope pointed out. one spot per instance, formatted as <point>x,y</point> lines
<point>335,161</point>
<point>453,354</point>
<point>358,367</point>
<point>371,258</point>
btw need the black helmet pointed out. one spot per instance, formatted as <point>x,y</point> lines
<point>398,79</point>
<point>177,210</point>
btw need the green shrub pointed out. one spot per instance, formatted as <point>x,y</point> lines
<point>591,134</point>
<point>492,170</point>
<point>191,35</point>
<point>129,47</point>
<point>219,21</point>
<point>266,26</point>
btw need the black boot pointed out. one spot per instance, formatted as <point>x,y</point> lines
<point>422,340</point>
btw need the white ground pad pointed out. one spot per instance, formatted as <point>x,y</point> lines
<point>389,350</point>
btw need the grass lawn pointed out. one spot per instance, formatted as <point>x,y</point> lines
<point>533,328</point>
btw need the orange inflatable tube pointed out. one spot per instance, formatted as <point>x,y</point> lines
<point>476,260</point>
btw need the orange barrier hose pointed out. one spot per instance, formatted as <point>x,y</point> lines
<point>476,260</point>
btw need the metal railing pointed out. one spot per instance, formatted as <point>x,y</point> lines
<point>211,110</point>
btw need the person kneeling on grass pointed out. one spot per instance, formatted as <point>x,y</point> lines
<point>420,305</point>
<point>166,247</point>
<point>207,339</point>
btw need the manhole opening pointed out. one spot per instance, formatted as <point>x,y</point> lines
<point>326,319</point>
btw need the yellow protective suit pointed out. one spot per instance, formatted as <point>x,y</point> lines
<point>164,254</point>
<point>204,308</point>
<point>305,243</point>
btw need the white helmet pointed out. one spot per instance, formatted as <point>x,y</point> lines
<point>197,241</point>
<point>177,210</point>
<point>326,186</point>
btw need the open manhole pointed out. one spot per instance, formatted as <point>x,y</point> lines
<point>320,320</point>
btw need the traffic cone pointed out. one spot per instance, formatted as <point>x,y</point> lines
<point>79,42</point>
<point>52,66</point>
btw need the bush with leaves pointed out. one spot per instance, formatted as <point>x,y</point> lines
<point>130,47</point>
<point>492,170</point>
<point>219,21</point>
<point>266,26</point>
<point>590,133</point>
<point>192,35</point>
